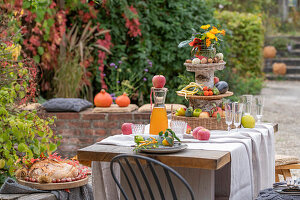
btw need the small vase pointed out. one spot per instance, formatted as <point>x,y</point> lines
<point>203,51</point>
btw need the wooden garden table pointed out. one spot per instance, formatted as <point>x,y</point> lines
<point>202,163</point>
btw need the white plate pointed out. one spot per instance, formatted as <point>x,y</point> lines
<point>163,149</point>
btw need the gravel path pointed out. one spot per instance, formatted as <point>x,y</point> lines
<point>282,106</point>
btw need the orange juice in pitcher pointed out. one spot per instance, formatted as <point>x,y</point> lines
<point>159,119</point>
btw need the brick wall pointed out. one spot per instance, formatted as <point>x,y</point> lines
<point>85,128</point>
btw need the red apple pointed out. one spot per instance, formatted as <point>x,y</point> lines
<point>216,80</point>
<point>126,128</point>
<point>215,112</point>
<point>195,131</point>
<point>188,129</point>
<point>203,134</point>
<point>158,81</point>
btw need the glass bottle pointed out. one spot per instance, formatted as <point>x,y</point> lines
<point>158,119</point>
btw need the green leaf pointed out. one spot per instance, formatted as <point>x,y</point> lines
<point>17,87</point>
<point>36,58</point>
<point>21,94</point>
<point>52,147</point>
<point>22,147</point>
<point>29,153</point>
<point>10,162</point>
<point>166,134</point>
<point>184,43</point>
<point>170,140</point>
<point>8,145</point>
<point>40,15</point>
<point>41,50</point>
<point>41,133</point>
<point>36,150</point>
<point>161,133</point>
<point>26,4</point>
<point>218,117</point>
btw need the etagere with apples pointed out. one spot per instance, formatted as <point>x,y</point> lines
<point>206,93</point>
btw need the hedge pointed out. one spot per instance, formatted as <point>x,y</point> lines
<point>244,41</point>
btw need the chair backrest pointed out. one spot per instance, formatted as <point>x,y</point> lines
<point>137,178</point>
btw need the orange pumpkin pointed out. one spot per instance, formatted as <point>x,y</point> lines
<point>279,68</point>
<point>103,99</point>
<point>269,52</point>
<point>123,100</point>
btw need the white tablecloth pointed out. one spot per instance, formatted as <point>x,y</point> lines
<point>252,164</point>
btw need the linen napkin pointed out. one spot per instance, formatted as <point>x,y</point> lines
<point>119,140</point>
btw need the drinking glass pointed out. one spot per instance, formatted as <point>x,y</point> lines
<point>228,114</point>
<point>247,100</point>
<point>259,102</point>
<point>238,112</point>
<point>138,129</point>
<point>179,127</point>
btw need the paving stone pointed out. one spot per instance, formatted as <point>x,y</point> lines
<point>282,106</point>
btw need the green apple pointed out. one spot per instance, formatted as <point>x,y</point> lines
<point>197,112</point>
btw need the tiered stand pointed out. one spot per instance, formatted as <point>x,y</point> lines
<point>204,74</point>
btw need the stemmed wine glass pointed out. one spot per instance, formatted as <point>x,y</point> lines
<point>237,116</point>
<point>259,101</point>
<point>247,100</point>
<point>228,114</point>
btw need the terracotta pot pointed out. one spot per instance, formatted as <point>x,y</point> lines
<point>269,52</point>
<point>279,68</point>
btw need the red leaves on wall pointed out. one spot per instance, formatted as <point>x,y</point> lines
<point>133,24</point>
<point>106,42</point>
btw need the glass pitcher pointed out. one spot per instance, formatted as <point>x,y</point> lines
<point>158,119</point>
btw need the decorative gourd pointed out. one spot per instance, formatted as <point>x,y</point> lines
<point>103,99</point>
<point>279,68</point>
<point>123,100</point>
<point>269,52</point>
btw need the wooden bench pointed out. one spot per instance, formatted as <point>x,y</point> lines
<point>285,170</point>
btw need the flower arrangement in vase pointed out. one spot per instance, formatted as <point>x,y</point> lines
<point>203,41</point>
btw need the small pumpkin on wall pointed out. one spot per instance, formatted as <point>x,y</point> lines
<point>103,99</point>
<point>269,52</point>
<point>123,100</point>
<point>279,68</point>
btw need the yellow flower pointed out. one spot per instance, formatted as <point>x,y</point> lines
<point>17,12</point>
<point>214,30</point>
<point>208,42</point>
<point>210,35</point>
<point>205,26</point>
<point>222,32</point>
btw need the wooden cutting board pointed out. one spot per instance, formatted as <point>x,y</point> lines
<point>116,108</point>
<point>54,186</point>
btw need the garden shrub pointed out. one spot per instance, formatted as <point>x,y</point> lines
<point>243,54</point>
<point>23,134</point>
<point>245,40</point>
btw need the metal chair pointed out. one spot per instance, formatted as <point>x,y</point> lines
<point>134,165</point>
